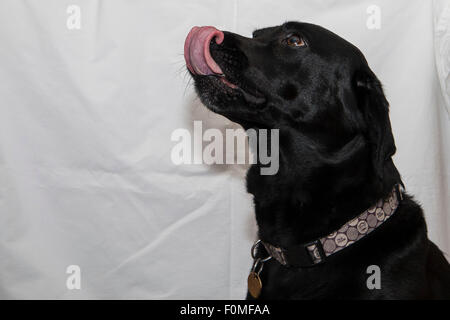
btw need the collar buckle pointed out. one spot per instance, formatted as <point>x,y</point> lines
<point>315,251</point>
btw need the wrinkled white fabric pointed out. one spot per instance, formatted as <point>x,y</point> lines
<point>86,117</point>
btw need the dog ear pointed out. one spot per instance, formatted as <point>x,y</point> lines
<point>375,110</point>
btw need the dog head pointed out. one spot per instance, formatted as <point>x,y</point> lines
<point>298,77</point>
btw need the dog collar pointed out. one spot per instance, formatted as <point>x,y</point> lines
<point>315,252</point>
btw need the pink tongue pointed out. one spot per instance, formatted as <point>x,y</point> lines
<point>196,50</point>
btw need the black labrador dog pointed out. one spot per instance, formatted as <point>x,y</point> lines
<point>335,163</point>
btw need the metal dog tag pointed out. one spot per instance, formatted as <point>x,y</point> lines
<point>254,284</point>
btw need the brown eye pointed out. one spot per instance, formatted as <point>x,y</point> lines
<point>294,41</point>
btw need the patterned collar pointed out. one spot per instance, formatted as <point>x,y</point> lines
<point>315,252</point>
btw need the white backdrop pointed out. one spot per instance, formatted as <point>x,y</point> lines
<point>86,117</point>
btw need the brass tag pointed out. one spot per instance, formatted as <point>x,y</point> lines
<point>254,284</point>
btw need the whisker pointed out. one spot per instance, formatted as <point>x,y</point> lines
<point>187,85</point>
<point>179,70</point>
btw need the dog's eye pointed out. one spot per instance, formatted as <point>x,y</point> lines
<point>294,40</point>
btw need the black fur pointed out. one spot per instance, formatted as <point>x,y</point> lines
<point>336,146</point>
